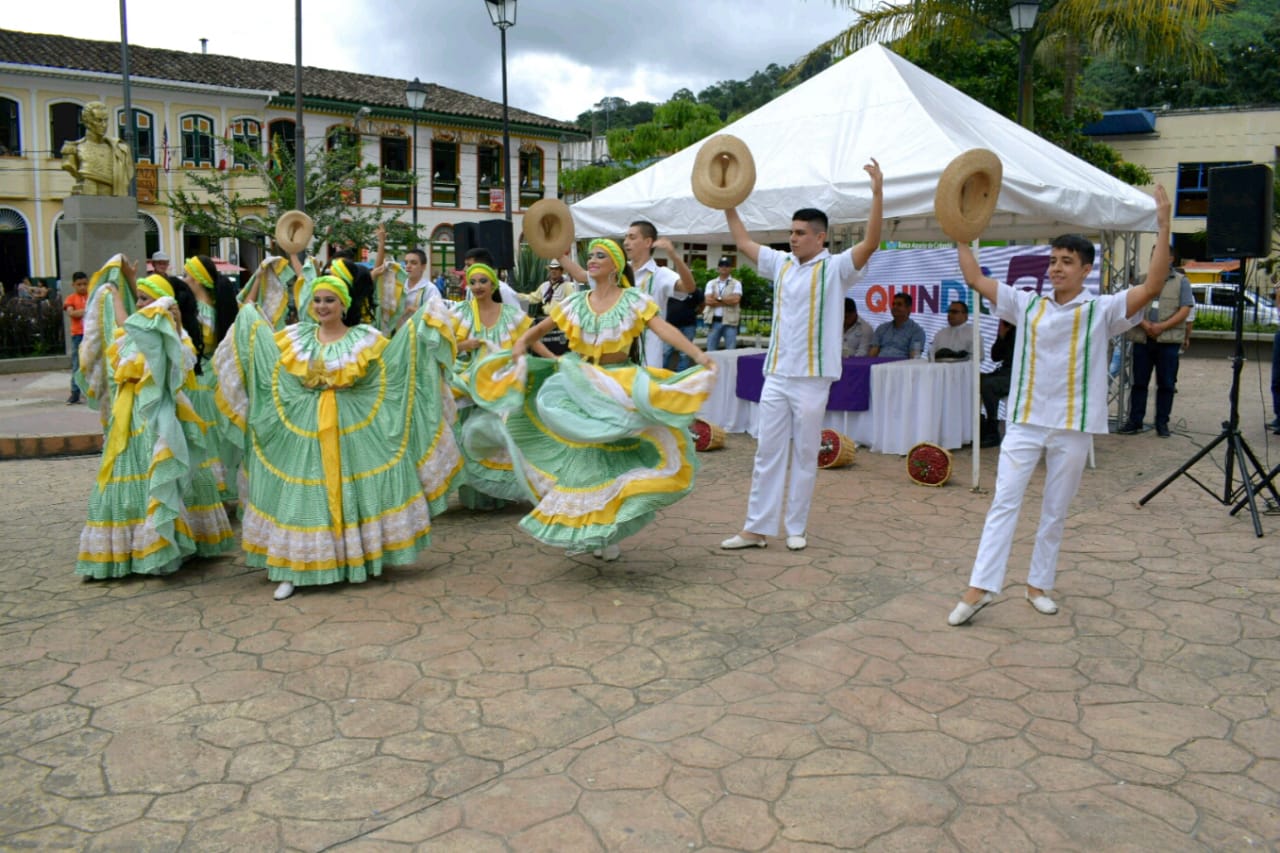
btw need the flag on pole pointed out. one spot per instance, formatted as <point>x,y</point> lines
<point>164,143</point>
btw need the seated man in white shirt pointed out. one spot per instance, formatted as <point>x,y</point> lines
<point>858,333</point>
<point>955,341</point>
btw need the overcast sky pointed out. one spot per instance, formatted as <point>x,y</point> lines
<point>563,56</point>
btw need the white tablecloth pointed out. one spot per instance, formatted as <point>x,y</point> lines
<point>914,401</point>
<point>922,402</point>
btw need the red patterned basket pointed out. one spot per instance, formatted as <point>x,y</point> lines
<point>835,451</point>
<point>928,464</point>
<point>706,436</point>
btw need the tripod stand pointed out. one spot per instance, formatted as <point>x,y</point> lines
<point>1238,450</point>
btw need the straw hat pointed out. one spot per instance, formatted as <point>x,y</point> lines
<point>967,193</point>
<point>548,227</point>
<point>293,231</point>
<point>724,172</point>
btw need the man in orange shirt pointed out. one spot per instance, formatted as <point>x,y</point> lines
<point>73,305</point>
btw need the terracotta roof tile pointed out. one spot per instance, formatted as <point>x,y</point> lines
<point>54,51</point>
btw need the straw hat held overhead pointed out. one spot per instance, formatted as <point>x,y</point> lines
<point>548,227</point>
<point>724,172</point>
<point>967,193</point>
<point>293,231</point>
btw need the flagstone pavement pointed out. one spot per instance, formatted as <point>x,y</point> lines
<point>500,696</point>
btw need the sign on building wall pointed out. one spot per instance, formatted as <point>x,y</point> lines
<point>148,183</point>
<point>497,203</point>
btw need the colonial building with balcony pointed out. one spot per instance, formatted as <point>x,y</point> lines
<point>190,107</point>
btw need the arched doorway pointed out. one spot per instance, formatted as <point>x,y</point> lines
<point>150,233</point>
<point>15,249</point>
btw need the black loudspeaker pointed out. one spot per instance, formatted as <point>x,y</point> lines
<point>495,235</point>
<point>466,236</point>
<point>1240,208</point>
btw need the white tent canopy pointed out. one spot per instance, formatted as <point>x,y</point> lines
<point>811,143</point>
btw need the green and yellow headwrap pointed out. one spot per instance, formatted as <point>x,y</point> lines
<point>341,270</point>
<point>156,286</point>
<point>334,285</point>
<point>483,268</point>
<point>197,271</point>
<point>615,252</point>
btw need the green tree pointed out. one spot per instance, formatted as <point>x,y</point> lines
<point>220,201</point>
<point>677,124</point>
<point>1065,31</point>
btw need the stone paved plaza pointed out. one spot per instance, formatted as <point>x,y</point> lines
<point>500,696</point>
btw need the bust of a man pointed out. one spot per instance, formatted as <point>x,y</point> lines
<point>100,164</point>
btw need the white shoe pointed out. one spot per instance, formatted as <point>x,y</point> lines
<point>737,541</point>
<point>964,611</point>
<point>1043,603</point>
<point>796,543</point>
<point>609,553</point>
<point>283,591</point>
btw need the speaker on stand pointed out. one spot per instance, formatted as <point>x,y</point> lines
<point>1239,226</point>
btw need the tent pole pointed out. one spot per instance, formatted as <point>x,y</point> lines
<point>976,359</point>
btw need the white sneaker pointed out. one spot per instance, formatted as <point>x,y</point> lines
<point>283,591</point>
<point>737,541</point>
<point>797,543</point>
<point>964,611</point>
<point>1043,603</point>
<point>609,553</point>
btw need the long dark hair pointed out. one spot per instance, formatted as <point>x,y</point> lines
<point>190,318</point>
<point>224,298</point>
<point>363,293</point>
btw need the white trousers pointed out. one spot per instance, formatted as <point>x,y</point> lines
<point>790,430</point>
<point>1065,454</point>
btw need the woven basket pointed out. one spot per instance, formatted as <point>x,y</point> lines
<point>928,464</point>
<point>835,451</point>
<point>706,436</point>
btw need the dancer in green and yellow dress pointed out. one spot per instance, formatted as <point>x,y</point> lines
<point>154,503</point>
<point>344,437</point>
<point>599,442</point>
<point>485,325</point>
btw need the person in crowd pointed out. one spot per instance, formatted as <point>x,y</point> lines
<point>402,289</point>
<point>554,289</point>
<point>160,263</point>
<point>73,306</point>
<point>347,444</point>
<point>901,337</point>
<point>216,307</point>
<point>683,314</point>
<point>658,283</point>
<point>994,386</point>
<point>154,504</point>
<point>724,307</point>
<point>33,290</point>
<point>955,341</point>
<point>804,358</point>
<point>483,324</point>
<point>600,441</point>
<point>1157,340</point>
<point>858,333</point>
<point>1058,399</point>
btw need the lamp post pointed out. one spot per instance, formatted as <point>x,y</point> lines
<point>416,96</point>
<point>1023,16</point>
<point>503,15</point>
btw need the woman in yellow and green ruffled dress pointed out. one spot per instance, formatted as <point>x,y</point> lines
<point>483,325</point>
<point>154,502</point>
<point>341,430</point>
<point>600,442</point>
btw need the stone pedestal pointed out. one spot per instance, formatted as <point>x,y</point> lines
<point>92,229</point>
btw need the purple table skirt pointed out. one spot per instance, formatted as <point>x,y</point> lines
<point>850,393</point>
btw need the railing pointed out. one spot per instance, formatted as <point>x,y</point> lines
<point>30,327</point>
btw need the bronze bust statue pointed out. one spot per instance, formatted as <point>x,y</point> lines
<point>100,164</point>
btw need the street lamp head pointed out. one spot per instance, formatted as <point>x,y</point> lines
<point>1023,15</point>
<point>415,94</point>
<point>502,13</point>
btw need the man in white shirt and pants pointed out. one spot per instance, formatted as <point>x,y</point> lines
<point>810,286</point>
<point>660,283</point>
